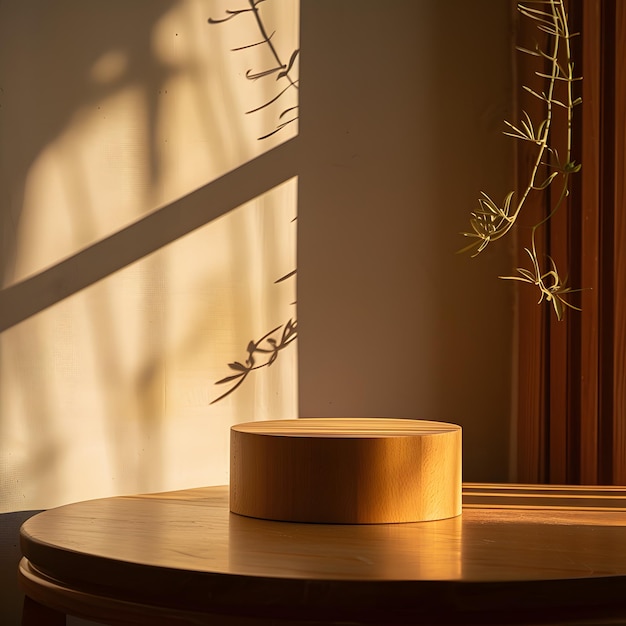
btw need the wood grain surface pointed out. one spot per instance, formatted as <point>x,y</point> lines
<point>516,551</point>
<point>347,471</point>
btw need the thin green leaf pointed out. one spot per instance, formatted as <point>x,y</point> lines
<point>546,182</point>
<point>541,96</point>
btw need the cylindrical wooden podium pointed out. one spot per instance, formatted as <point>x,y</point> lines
<point>346,471</point>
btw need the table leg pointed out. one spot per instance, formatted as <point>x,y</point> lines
<point>35,614</point>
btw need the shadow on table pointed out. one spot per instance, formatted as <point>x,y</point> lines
<point>11,597</point>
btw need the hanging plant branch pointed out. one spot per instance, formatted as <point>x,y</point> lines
<point>283,71</point>
<point>492,220</point>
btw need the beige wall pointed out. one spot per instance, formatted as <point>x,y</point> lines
<point>132,273</point>
<point>113,111</point>
<point>402,111</point>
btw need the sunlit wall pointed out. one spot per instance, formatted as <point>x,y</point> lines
<point>109,112</point>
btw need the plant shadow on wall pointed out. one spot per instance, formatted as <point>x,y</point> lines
<point>552,162</point>
<point>264,351</point>
<point>55,89</point>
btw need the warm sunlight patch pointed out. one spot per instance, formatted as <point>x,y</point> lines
<point>106,385</point>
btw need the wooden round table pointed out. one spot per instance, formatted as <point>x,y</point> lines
<point>516,555</point>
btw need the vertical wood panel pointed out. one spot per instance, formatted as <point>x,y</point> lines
<point>606,209</point>
<point>619,317</point>
<point>561,354</point>
<point>585,357</point>
<point>533,322</point>
<point>588,190</point>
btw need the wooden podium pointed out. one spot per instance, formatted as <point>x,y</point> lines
<point>346,471</point>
